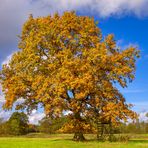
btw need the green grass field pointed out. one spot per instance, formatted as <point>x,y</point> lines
<point>64,141</point>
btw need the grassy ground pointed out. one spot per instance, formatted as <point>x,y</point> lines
<point>64,141</point>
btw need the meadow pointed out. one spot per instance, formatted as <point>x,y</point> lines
<point>64,141</point>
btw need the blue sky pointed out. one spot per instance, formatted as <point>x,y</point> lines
<point>126,19</point>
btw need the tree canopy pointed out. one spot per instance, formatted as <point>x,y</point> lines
<point>65,64</point>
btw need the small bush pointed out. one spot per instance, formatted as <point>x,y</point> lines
<point>121,138</point>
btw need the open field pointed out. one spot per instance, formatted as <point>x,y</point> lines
<point>64,141</point>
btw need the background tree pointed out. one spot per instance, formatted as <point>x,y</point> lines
<point>18,123</point>
<point>3,127</point>
<point>32,128</point>
<point>65,65</point>
<point>51,126</point>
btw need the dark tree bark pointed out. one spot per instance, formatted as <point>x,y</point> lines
<point>110,132</point>
<point>78,136</point>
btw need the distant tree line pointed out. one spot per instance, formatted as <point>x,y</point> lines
<point>18,124</point>
<point>136,128</point>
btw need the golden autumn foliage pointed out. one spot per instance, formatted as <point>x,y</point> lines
<point>65,64</point>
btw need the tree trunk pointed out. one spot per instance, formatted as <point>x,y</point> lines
<point>99,130</point>
<point>110,132</point>
<point>78,136</point>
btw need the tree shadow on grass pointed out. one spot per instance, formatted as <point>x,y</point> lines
<point>57,139</point>
<point>138,141</point>
<point>61,139</point>
<point>71,140</point>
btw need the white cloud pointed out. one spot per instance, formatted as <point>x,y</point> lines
<point>103,8</point>
<point>20,101</point>
<point>35,117</point>
<point>5,114</point>
<point>8,58</point>
<point>2,97</point>
<point>142,116</point>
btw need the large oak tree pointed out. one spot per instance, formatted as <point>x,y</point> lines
<point>65,64</point>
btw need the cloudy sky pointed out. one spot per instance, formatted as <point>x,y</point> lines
<point>127,19</point>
